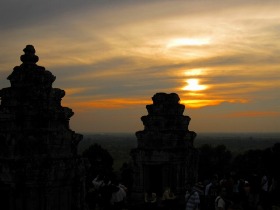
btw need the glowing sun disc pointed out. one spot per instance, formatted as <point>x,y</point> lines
<point>187,42</point>
<point>193,85</point>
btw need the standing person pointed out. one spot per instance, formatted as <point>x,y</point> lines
<point>106,194</point>
<point>150,200</point>
<point>220,203</point>
<point>264,194</point>
<point>168,198</point>
<point>118,197</point>
<point>275,194</point>
<point>192,199</point>
<point>211,193</point>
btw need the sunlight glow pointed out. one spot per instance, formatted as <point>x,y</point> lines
<point>193,85</point>
<point>193,72</point>
<point>187,42</point>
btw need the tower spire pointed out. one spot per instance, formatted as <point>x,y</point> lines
<point>29,56</point>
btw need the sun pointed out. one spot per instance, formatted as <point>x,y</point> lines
<point>187,42</point>
<point>193,85</point>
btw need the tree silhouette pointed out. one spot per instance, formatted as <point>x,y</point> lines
<point>251,162</point>
<point>100,160</point>
<point>213,160</point>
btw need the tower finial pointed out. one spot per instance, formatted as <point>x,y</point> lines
<point>29,57</point>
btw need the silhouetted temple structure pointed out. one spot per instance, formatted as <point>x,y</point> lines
<point>39,166</point>
<point>165,155</point>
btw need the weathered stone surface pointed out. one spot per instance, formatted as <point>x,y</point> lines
<point>165,155</point>
<point>39,166</point>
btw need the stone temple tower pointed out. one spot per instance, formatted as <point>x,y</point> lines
<point>165,155</point>
<point>39,166</point>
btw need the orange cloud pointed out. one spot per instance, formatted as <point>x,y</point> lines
<point>71,91</point>
<point>254,114</point>
<point>119,103</point>
<point>200,103</point>
<point>116,103</point>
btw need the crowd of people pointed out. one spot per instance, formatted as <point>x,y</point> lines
<point>106,194</point>
<point>231,193</point>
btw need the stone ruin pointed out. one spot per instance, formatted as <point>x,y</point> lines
<point>39,166</point>
<point>165,155</point>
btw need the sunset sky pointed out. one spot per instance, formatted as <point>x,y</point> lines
<point>111,56</point>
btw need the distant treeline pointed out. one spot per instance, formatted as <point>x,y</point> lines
<point>120,144</point>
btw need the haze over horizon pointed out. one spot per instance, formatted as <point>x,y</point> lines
<point>111,57</point>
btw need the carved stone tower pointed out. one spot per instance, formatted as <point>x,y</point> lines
<point>39,166</point>
<point>165,156</point>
